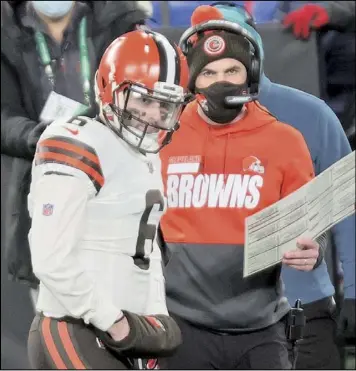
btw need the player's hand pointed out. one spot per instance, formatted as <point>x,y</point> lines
<point>120,330</point>
<point>304,257</point>
<point>141,336</point>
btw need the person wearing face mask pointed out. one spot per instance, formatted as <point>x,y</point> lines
<point>230,158</point>
<point>54,10</point>
<point>330,319</point>
<point>220,71</point>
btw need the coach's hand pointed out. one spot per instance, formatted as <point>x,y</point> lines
<point>304,257</point>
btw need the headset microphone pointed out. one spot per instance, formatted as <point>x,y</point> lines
<point>234,101</point>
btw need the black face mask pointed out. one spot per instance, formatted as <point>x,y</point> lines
<point>216,108</point>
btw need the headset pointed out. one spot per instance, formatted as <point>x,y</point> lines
<point>236,21</point>
<point>238,14</point>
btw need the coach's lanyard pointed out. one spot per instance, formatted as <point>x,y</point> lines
<point>84,58</point>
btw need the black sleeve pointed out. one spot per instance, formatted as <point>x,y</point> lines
<point>342,15</point>
<point>114,18</point>
<point>19,134</point>
<point>129,14</point>
<point>165,253</point>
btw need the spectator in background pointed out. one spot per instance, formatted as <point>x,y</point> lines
<point>332,15</point>
<point>335,23</point>
<point>327,144</point>
<point>46,46</point>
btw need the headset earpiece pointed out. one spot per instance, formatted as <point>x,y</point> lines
<point>255,70</point>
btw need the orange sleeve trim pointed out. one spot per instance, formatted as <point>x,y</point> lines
<point>70,147</point>
<point>72,162</point>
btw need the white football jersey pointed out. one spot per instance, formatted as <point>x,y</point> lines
<point>95,205</point>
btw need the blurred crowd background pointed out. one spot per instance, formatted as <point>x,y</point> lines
<point>319,60</point>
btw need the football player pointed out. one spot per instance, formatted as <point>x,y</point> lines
<point>95,202</point>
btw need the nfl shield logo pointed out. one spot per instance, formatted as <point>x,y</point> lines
<point>47,209</point>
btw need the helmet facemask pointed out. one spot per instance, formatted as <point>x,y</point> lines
<point>145,118</point>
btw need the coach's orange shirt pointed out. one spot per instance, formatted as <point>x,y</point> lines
<point>217,175</point>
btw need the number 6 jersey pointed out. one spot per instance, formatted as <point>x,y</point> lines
<point>95,204</point>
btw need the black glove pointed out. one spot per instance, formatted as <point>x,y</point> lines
<point>346,324</point>
<point>149,337</point>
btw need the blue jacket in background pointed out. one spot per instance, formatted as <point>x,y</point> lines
<point>327,144</point>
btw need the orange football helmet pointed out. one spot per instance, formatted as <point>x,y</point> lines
<point>141,89</point>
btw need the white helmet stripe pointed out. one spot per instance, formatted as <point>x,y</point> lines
<point>168,58</point>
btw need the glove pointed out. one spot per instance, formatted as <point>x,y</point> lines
<point>149,337</point>
<point>305,18</point>
<point>346,323</point>
<point>145,364</point>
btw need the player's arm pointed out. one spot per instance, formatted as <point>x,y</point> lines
<point>333,147</point>
<point>157,296</point>
<point>298,171</point>
<point>69,176</point>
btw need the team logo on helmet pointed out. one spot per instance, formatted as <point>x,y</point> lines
<point>214,45</point>
<point>253,164</point>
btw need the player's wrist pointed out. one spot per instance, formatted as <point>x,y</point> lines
<point>119,318</point>
<point>120,329</point>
